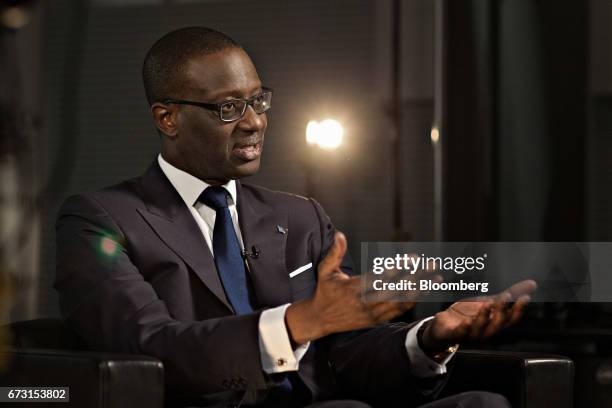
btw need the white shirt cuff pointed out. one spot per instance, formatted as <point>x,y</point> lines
<point>277,355</point>
<point>421,365</point>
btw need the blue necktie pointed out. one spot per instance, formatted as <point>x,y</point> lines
<point>226,249</point>
<point>230,266</point>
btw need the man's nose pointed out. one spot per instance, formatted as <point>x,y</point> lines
<point>252,120</point>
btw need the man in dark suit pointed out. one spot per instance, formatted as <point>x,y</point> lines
<point>245,294</point>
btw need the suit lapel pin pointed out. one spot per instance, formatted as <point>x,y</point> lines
<point>281,229</point>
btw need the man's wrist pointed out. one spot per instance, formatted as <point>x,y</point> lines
<point>437,352</point>
<point>301,326</point>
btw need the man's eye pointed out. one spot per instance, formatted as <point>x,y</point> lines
<point>229,107</point>
<point>259,101</point>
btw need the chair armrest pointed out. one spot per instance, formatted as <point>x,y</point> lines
<point>527,380</point>
<point>95,379</point>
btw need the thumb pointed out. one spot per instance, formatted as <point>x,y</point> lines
<point>333,259</point>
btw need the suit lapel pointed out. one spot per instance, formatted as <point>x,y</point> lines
<point>258,224</point>
<point>173,223</point>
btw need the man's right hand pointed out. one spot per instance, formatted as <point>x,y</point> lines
<point>337,305</point>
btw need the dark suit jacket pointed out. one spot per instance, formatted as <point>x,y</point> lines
<point>135,275</point>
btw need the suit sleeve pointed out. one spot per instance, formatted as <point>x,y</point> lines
<point>106,299</point>
<point>373,364</point>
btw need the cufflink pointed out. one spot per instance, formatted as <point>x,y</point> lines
<point>281,229</point>
<point>441,356</point>
<point>281,362</point>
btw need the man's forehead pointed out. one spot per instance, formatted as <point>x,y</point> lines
<point>229,72</point>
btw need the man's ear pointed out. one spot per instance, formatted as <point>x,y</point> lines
<point>165,118</point>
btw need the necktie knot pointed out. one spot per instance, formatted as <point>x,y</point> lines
<point>215,197</point>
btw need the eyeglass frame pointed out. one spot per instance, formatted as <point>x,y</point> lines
<point>217,106</point>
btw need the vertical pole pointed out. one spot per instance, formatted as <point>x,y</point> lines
<point>437,130</point>
<point>396,122</point>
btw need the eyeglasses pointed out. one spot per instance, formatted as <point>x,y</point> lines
<point>233,109</point>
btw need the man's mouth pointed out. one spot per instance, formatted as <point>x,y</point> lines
<point>247,151</point>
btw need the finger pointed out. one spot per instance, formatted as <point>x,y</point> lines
<point>521,288</point>
<point>383,311</point>
<point>414,295</point>
<point>467,308</point>
<point>393,274</point>
<point>425,273</point>
<point>425,268</point>
<point>503,302</point>
<point>502,297</point>
<point>518,309</point>
<point>499,316</point>
<point>393,313</point>
<point>331,263</point>
<point>480,322</point>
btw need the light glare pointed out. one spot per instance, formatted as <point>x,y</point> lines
<point>311,132</point>
<point>327,134</point>
<point>435,134</point>
<point>108,246</point>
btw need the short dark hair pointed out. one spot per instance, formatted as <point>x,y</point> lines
<point>163,70</point>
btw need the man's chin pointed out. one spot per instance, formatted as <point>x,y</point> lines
<point>246,169</point>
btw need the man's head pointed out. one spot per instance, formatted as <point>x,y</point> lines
<point>203,65</point>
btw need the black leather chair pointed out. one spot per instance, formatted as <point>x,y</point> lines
<point>47,353</point>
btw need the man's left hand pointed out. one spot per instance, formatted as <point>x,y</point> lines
<point>476,319</point>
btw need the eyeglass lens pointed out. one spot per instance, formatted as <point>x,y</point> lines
<point>233,110</point>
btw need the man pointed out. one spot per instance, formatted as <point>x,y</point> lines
<point>244,293</point>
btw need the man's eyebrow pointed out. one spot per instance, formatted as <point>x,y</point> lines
<point>237,94</point>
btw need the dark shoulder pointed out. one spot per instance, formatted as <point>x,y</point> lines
<point>271,197</point>
<point>276,198</point>
<point>121,195</point>
<point>295,206</point>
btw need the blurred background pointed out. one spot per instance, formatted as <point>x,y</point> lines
<point>457,120</point>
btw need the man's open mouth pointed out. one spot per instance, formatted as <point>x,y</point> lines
<point>247,151</point>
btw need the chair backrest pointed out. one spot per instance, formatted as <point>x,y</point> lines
<point>45,333</point>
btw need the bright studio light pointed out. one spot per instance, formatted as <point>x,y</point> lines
<point>311,132</point>
<point>326,134</point>
<point>435,134</point>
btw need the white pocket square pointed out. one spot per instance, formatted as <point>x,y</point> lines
<point>300,270</point>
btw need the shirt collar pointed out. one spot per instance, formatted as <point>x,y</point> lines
<point>190,187</point>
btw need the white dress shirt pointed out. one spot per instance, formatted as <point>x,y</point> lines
<point>275,349</point>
